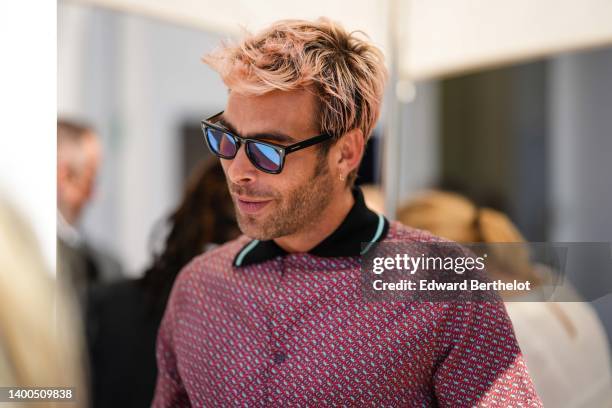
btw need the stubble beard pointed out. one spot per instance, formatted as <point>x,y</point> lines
<point>299,209</point>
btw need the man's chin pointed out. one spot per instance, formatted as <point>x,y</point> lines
<point>252,228</point>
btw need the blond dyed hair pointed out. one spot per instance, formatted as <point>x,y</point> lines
<point>344,69</point>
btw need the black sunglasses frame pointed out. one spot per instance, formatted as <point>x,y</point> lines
<point>283,151</point>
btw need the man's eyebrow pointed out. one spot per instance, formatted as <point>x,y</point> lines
<point>273,135</point>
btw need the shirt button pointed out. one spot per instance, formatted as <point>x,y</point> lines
<point>279,357</point>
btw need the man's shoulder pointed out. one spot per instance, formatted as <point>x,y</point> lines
<point>214,261</point>
<point>399,232</point>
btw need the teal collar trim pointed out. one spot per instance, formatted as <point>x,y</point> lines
<point>360,226</point>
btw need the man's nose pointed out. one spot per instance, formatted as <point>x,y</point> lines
<point>240,170</point>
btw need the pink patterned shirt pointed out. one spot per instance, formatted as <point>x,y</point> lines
<point>249,327</point>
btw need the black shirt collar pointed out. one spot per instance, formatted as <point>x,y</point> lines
<point>361,225</point>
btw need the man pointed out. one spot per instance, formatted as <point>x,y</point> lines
<point>78,159</point>
<point>277,317</point>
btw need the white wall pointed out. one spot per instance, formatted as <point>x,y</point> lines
<point>27,98</point>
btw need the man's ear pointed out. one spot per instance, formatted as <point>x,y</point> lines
<point>351,147</point>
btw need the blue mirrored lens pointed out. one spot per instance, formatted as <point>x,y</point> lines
<point>266,157</point>
<point>221,143</point>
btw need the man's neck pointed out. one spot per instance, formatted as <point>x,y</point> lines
<point>312,235</point>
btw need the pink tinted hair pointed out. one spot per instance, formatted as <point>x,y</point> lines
<point>346,72</point>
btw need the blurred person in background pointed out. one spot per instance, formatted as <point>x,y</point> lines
<point>564,343</point>
<point>79,265</point>
<point>40,344</point>
<point>123,317</point>
<point>277,317</point>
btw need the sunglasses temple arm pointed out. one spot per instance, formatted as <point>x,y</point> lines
<point>307,143</point>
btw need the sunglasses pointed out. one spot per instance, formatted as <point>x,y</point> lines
<point>266,156</point>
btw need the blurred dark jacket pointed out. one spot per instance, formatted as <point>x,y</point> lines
<point>122,325</point>
<point>81,266</point>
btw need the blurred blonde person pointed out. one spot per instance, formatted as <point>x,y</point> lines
<point>563,342</point>
<point>39,344</point>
